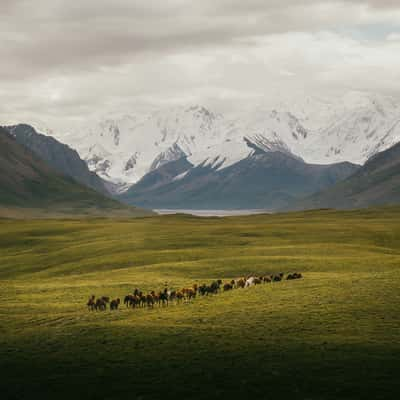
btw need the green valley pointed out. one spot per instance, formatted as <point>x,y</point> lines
<point>334,334</point>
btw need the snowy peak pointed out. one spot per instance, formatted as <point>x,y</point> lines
<point>366,127</point>
<point>275,131</point>
<point>318,130</point>
<point>173,153</point>
<point>125,149</point>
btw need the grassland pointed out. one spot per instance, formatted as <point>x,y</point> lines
<point>333,335</point>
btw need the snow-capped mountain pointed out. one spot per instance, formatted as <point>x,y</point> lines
<point>123,150</point>
<point>359,127</point>
<point>352,128</point>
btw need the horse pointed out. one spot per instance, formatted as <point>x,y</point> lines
<point>188,293</point>
<point>250,282</point>
<point>100,305</point>
<point>171,295</point>
<point>163,298</point>
<point>91,304</point>
<point>277,278</point>
<point>115,304</point>
<point>203,290</point>
<point>179,296</point>
<point>214,287</point>
<point>150,300</point>
<point>241,283</point>
<point>294,276</point>
<point>128,300</point>
<point>227,286</point>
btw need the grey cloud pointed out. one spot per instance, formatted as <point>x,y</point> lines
<point>103,52</point>
<point>62,34</point>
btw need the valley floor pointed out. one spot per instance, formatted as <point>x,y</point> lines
<point>333,335</point>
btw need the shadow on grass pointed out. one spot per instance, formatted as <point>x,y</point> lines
<point>184,362</point>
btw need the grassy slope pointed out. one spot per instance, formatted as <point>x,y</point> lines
<point>335,334</point>
<point>29,187</point>
<point>74,211</point>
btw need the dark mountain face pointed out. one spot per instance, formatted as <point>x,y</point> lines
<point>267,180</point>
<point>163,175</point>
<point>59,156</point>
<point>376,183</point>
<point>27,182</point>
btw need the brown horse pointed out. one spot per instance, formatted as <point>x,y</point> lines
<point>227,286</point>
<point>100,305</point>
<point>179,296</point>
<point>294,276</point>
<point>115,304</point>
<point>241,283</point>
<point>91,304</point>
<point>189,293</point>
<point>128,300</point>
<point>150,300</point>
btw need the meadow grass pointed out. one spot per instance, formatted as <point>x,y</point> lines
<point>333,335</point>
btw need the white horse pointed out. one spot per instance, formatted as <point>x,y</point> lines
<point>250,282</point>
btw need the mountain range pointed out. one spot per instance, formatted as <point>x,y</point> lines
<point>266,180</point>
<point>319,131</point>
<point>287,157</point>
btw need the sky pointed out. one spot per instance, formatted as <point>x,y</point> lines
<point>63,61</point>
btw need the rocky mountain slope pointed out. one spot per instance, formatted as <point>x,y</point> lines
<point>376,183</point>
<point>265,179</point>
<point>58,155</point>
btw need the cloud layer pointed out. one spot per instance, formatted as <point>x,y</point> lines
<point>63,61</point>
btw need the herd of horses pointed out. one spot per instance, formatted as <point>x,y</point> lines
<point>164,297</point>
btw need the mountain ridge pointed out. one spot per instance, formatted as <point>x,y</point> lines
<point>377,183</point>
<point>123,150</point>
<point>29,186</point>
<point>265,180</point>
<point>58,155</point>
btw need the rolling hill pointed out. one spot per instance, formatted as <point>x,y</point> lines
<point>333,335</point>
<point>376,183</point>
<point>29,186</point>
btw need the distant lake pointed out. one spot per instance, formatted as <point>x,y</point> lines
<point>212,213</point>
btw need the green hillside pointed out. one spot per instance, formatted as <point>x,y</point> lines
<point>333,335</point>
<point>29,186</point>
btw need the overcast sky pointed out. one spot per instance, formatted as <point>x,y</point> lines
<point>64,60</point>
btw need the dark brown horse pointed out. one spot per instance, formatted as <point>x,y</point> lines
<point>115,304</point>
<point>227,286</point>
<point>100,305</point>
<point>91,304</point>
